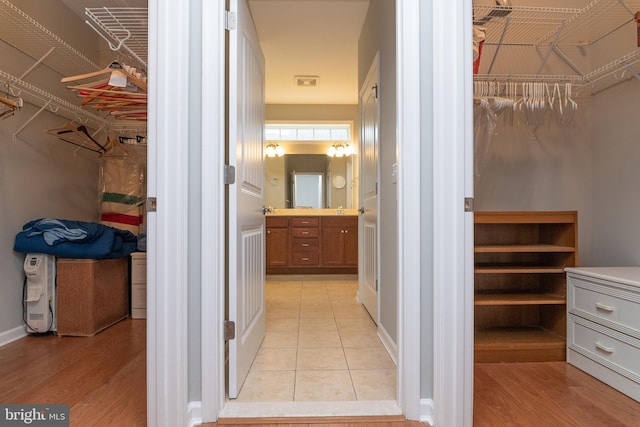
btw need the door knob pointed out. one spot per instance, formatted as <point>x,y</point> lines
<point>361,210</point>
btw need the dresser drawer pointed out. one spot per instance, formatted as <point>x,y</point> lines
<point>614,350</point>
<point>310,259</point>
<point>304,232</point>
<point>599,302</point>
<point>304,221</point>
<point>305,245</point>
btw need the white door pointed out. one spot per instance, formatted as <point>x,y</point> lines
<point>369,134</point>
<point>246,220</point>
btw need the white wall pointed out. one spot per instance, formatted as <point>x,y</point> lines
<point>41,177</point>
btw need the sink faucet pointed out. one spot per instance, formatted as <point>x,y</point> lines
<point>340,210</point>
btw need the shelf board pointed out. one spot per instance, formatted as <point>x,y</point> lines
<point>518,345</point>
<point>495,298</point>
<point>532,248</point>
<point>520,269</point>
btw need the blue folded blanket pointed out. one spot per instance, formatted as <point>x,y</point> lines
<point>74,239</point>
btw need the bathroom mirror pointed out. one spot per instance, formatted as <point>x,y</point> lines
<point>338,186</point>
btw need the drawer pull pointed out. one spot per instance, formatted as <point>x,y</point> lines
<point>305,232</point>
<point>305,245</point>
<point>305,259</point>
<point>603,307</point>
<point>305,222</point>
<point>604,348</point>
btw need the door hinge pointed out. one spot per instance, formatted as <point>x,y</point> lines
<point>468,204</point>
<point>375,89</point>
<point>230,20</point>
<point>229,330</point>
<point>229,174</point>
<point>151,204</point>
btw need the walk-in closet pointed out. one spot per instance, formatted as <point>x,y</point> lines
<point>556,86</point>
<point>73,131</point>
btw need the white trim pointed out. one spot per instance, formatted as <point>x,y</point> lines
<point>409,257</point>
<point>426,411</point>
<point>12,335</point>
<point>387,341</point>
<point>310,409</point>
<point>213,210</point>
<point>194,414</point>
<point>167,254</point>
<point>450,71</point>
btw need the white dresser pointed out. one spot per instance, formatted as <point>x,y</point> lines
<point>139,285</point>
<point>603,328</point>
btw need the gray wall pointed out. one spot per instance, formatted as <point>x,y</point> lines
<point>616,175</point>
<point>41,177</point>
<point>378,34</point>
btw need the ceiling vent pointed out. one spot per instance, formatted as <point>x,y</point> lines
<point>306,81</point>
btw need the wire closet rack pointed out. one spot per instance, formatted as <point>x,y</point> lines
<point>550,30</point>
<point>27,35</point>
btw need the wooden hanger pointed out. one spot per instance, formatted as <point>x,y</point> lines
<point>113,67</point>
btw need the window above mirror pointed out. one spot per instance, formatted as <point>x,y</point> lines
<point>307,132</point>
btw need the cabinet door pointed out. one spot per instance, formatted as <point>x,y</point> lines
<point>277,247</point>
<point>332,246</point>
<point>351,246</point>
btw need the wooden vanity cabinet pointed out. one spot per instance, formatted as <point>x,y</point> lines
<point>340,241</point>
<point>312,244</point>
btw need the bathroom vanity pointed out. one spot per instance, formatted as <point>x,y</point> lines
<point>314,242</point>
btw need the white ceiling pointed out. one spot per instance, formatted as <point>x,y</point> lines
<point>310,37</point>
<point>298,37</point>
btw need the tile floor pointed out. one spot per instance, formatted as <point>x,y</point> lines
<point>320,345</point>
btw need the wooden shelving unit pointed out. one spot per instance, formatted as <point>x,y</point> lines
<point>520,285</point>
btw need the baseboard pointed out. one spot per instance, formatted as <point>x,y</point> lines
<point>12,335</point>
<point>426,411</point>
<point>194,413</point>
<point>391,346</point>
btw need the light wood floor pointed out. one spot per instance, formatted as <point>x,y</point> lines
<point>103,380</point>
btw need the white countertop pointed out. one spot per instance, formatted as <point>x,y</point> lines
<point>626,275</point>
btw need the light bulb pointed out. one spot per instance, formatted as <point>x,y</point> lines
<point>279,151</point>
<point>332,151</point>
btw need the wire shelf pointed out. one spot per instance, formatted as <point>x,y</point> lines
<point>124,29</point>
<point>28,36</point>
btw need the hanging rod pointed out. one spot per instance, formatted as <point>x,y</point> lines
<point>124,29</point>
<point>44,100</point>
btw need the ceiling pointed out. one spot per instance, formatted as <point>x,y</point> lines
<point>298,37</point>
<point>310,38</point>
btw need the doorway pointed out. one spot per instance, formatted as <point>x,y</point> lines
<point>333,300</point>
<point>168,341</point>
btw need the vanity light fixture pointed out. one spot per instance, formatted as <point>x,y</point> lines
<point>274,150</point>
<point>340,150</point>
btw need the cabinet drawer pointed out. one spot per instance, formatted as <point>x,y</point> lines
<point>138,296</point>
<point>303,221</point>
<point>304,232</point>
<point>309,259</point>
<point>277,221</point>
<point>615,308</point>
<point>340,221</point>
<point>305,245</point>
<point>614,350</point>
<point>138,269</point>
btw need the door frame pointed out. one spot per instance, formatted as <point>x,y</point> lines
<point>447,337</point>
